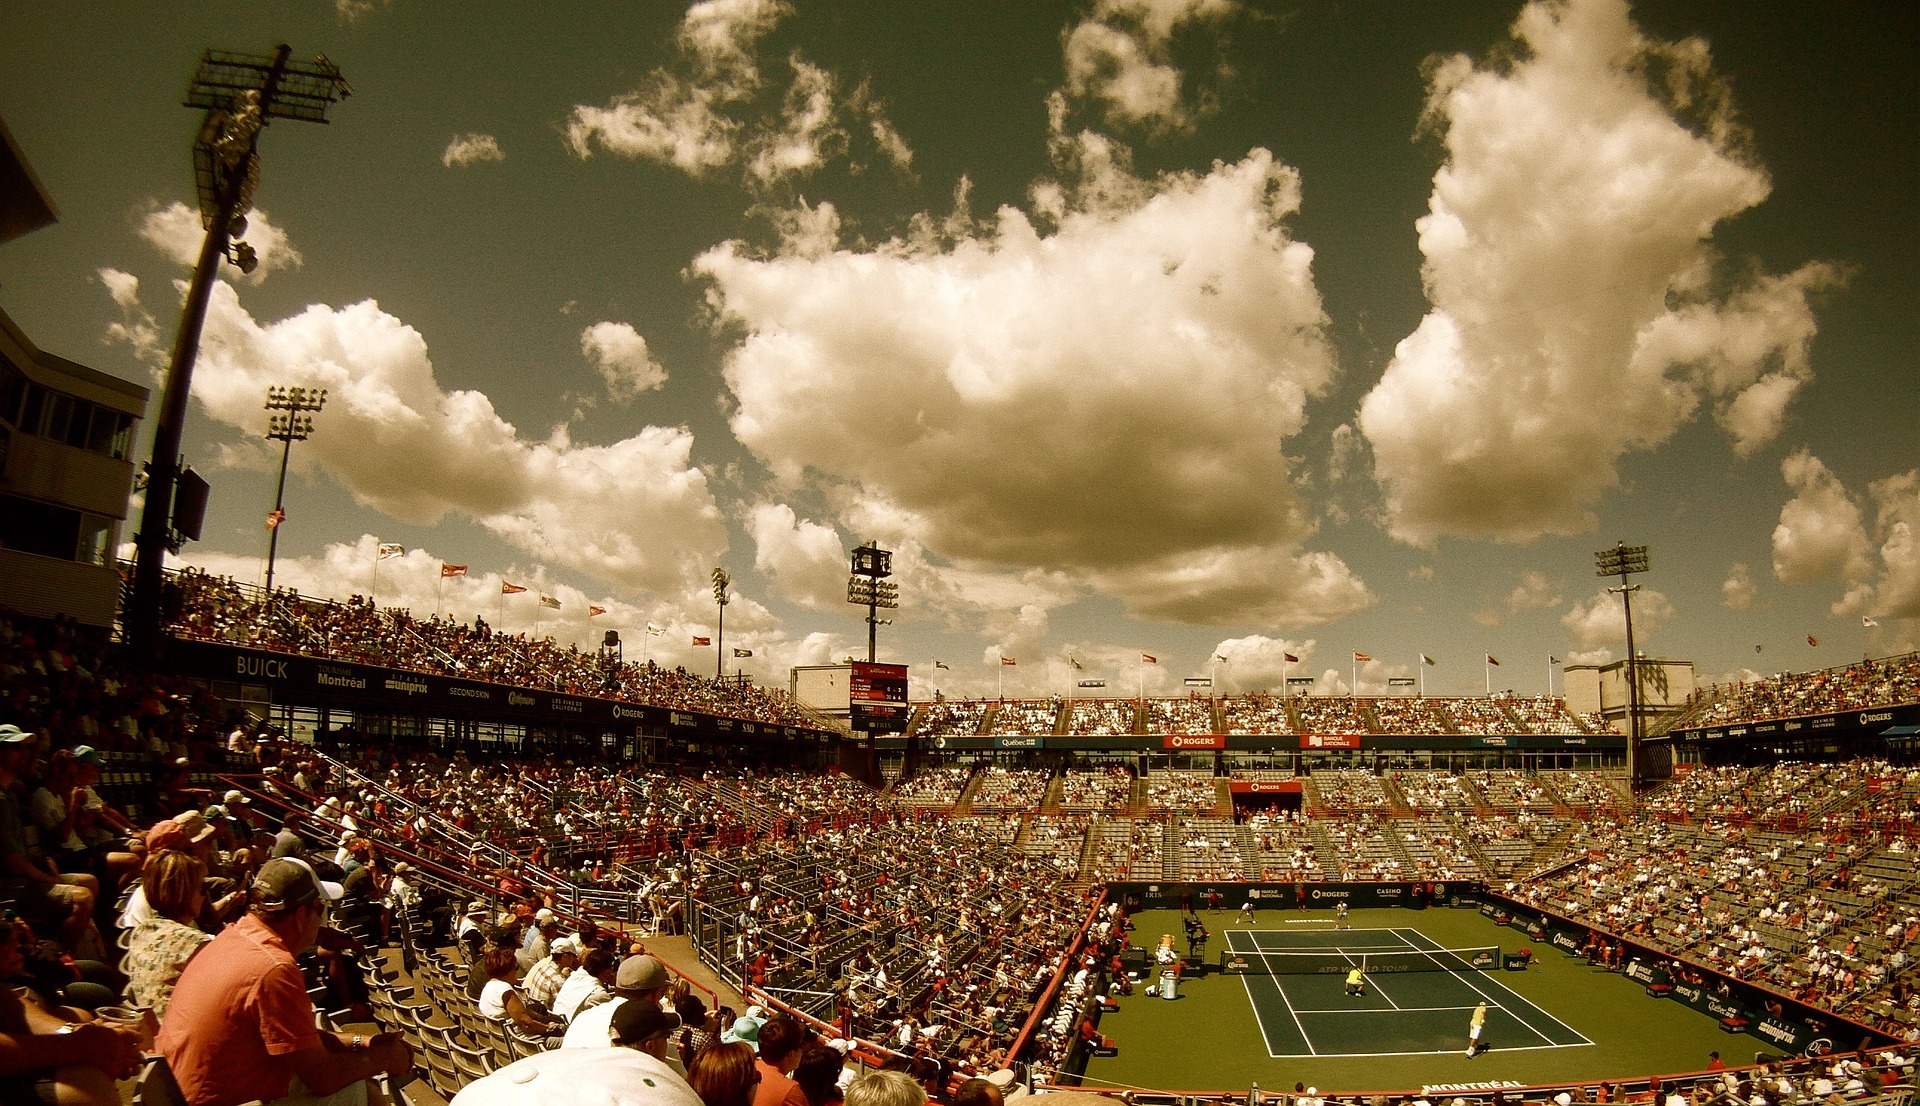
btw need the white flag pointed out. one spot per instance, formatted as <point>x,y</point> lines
<point>392,551</point>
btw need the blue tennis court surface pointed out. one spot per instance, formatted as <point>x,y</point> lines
<point>1403,1013</point>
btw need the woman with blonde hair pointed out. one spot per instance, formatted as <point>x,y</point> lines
<point>160,946</point>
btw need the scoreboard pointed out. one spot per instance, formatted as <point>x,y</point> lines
<point>877,697</point>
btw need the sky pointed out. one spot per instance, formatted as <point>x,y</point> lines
<point>1210,331</point>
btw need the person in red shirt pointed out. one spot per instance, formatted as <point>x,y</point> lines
<point>240,1026</point>
<point>782,1040</point>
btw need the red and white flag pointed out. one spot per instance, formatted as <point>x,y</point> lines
<point>593,611</point>
<point>275,517</point>
<point>1291,659</point>
<point>1361,658</point>
<point>1149,658</point>
<point>452,570</point>
<point>1493,660</point>
<point>510,589</point>
<point>550,602</point>
<point>387,551</point>
<point>699,641</point>
<point>1008,662</point>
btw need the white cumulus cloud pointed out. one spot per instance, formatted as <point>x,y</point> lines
<point>714,109</point>
<point>620,354</point>
<point>804,561</point>
<point>175,231</point>
<point>633,512</point>
<point>1823,534</point>
<point>1120,59</point>
<point>1820,535</point>
<point>466,149</point>
<point>1107,401</point>
<point>1737,591</point>
<point>1601,621</point>
<point>1576,314</point>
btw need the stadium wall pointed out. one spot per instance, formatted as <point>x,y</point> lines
<point>308,681</point>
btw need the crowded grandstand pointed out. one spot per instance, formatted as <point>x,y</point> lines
<point>956,911</point>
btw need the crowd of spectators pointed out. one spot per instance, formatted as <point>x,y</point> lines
<point>1102,717</point>
<point>1180,716</point>
<point>1348,789</point>
<point>951,718</point>
<point>1331,714</point>
<point>1107,788</point>
<point>1170,790</point>
<point>1434,790</point>
<point>1870,683</point>
<point>216,609</point>
<point>1026,716</point>
<point>1259,714</point>
<point>1001,788</point>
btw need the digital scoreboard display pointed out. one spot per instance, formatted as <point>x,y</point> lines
<point>877,697</point>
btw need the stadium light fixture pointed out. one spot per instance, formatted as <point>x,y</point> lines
<point>869,587</point>
<point>291,421</point>
<point>240,94</point>
<point>720,582</point>
<point>1624,560</point>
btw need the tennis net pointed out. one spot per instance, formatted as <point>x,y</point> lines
<point>1372,961</point>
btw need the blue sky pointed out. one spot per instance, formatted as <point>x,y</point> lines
<point>1190,328</point>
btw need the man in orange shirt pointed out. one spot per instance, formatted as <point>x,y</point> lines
<point>782,1040</point>
<point>241,1025</point>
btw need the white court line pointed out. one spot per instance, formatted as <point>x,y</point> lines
<point>1246,982</point>
<point>1440,1052</point>
<point>1402,1009</point>
<point>1465,978</point>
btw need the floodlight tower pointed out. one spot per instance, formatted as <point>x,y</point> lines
<point>720,582</point>
<point>868,587</point>
<point>240,94</point>
<point>1624,560</point>
<point>292,421</point>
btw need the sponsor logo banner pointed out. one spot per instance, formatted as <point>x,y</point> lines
<point>1194,741</point>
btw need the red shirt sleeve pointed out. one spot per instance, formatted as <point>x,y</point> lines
<point>286,1011</point>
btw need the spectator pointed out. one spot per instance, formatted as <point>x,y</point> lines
<point>501,1001</point>
<point>73,1063</point>
<point>782,1041</point>
<point>241,1025</point>
<point>590,984</point>
<point>724,1074</point>
<point>885,1088</point>
<point>161,946</point>
<point>629,1072</point>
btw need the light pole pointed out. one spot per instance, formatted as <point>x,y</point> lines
<point>240,94</point>
<point>868,587</point>
<point>292,421</point>
<point>1623,560</point>
<point>720,582</point>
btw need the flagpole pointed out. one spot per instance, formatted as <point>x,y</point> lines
<point>373,585</point>
<point>1486,665</point>
<point>437,587</point>
<point>1549,675</point>
<point>1421,667</point>
<point>1353,673</point>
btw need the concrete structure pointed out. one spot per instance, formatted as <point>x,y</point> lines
<point>1665,686</point>
<point>66,442</point>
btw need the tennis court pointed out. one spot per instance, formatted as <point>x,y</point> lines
<point>1419,999</point>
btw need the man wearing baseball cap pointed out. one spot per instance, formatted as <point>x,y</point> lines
<point>641,979</point>
<point>629,1071</point>
<point>241,1024</point>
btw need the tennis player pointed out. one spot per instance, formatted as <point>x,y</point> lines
<point>1340,920</point>
<point>1479,1026</point>
<point>1246,912</point>
<point>1357,981</point>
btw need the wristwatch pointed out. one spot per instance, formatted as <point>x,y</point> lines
<point>359,1042</point>
<point>68,1028</point>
